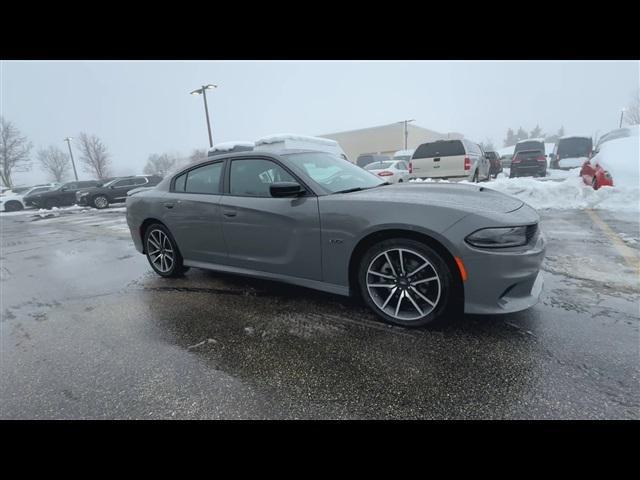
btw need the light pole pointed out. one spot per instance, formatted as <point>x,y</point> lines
<point>406,132</point>
<point>621,116</point>
<point>203,91</point>
<point>68,140</point>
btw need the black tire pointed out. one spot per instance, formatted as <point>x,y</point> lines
<point>100,202</point>
<point>13,206</point>
<point>400,181</point>
<point>51,203</point>
<point>445,286</point>
<point>594,183</point>
<point>177,269</point>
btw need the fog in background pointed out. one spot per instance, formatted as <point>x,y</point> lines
<point>142,107</point>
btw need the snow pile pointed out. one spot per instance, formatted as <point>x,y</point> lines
<point>283,137</point>
<point>621,158</point>
<point>228,146</point>
<point>563,190</point>
<point>568,194</point>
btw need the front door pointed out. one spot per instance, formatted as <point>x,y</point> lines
<point>267,234</point>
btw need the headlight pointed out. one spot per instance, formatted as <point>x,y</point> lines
<point>498,237</point>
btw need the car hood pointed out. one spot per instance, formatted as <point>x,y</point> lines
<point>470,198</point>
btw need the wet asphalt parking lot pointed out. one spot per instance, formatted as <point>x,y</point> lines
<point>89,331</point>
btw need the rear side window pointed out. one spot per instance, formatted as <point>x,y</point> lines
<point>139,181</point>
<point>444,148</point>
<point>205,179</point>
<point>124,183</point>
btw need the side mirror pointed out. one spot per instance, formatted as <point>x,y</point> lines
<point>285,189</point>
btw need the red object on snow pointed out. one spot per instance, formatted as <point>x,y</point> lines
<point>595,176</point>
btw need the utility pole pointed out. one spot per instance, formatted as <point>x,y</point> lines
<point>68,140</point>
<point>203,91</point>
<point>621,116</point>
<point>406,131</point>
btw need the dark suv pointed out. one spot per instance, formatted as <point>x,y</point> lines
<point>114,191</point>
<point>61,196</point>
<point>528,163</point>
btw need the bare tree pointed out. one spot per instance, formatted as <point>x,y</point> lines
<point>487,145</point>
<point>160,164</point>
<point>197,154</point>
<point>55,162</point>
<point>14,151</point>
<point>94,156</point>
<point>632,112</point>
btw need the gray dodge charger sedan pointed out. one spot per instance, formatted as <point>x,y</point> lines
<point>413,252</point>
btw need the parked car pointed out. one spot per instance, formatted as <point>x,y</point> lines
<point>365,159</point>
<point>528,163</point>
<point>615,160</point>
<point>449,159</point>
<point>60,196</point>
<point>393,171</point>
<point>413,251</point>
<point>114,191</point>
<point>495,166</point>
<point>571,152</point>
<point>13,201</point>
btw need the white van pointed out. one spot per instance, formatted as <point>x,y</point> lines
<point>450,159</point>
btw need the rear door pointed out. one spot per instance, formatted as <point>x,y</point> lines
<point>192,213</point>
<point>444,158</point>
<point>267,234</point>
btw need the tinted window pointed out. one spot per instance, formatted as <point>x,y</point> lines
<point>86,184</point>
<point>71,186</point>
<point>205,179</point>
<point>574,147</point>
<point>124,183</point>
<point>178,186</point>
<point>139,181</point>
<point>443,148</point>
<point>378,165</point>
<point>529,146</point>
<point>38,190</point>
<point>253,177</point>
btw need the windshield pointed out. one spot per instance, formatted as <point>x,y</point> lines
<point>378,165</point>
<point>332,173</point>
<point>574,147</point>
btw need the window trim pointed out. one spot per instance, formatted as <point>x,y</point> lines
<point>227,176</point>
<point>172,186</point>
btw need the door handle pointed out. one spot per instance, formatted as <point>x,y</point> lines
<point>169,204</point>
<point>230,213</point>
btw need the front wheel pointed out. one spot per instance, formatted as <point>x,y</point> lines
<point>405,282</point>
<point>162,252</point>
<point>13,206</point>
<point>100,202</point>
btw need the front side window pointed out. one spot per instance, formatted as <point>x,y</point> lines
<point>252,177</point>
<point>205,179</point>
<point>124,183</point>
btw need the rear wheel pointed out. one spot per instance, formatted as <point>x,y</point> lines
<point>13,206</point>
<point>405,282</point>
<point>162,252</point>
<point>100,202</point>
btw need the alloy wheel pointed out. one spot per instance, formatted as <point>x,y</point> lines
<point>101,202</point>
<point>160,251</point>
<point>403,284</point>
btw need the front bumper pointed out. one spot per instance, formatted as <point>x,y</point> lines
<point>504,282</point>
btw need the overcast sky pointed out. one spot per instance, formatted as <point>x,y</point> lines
<point>144,107</point>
